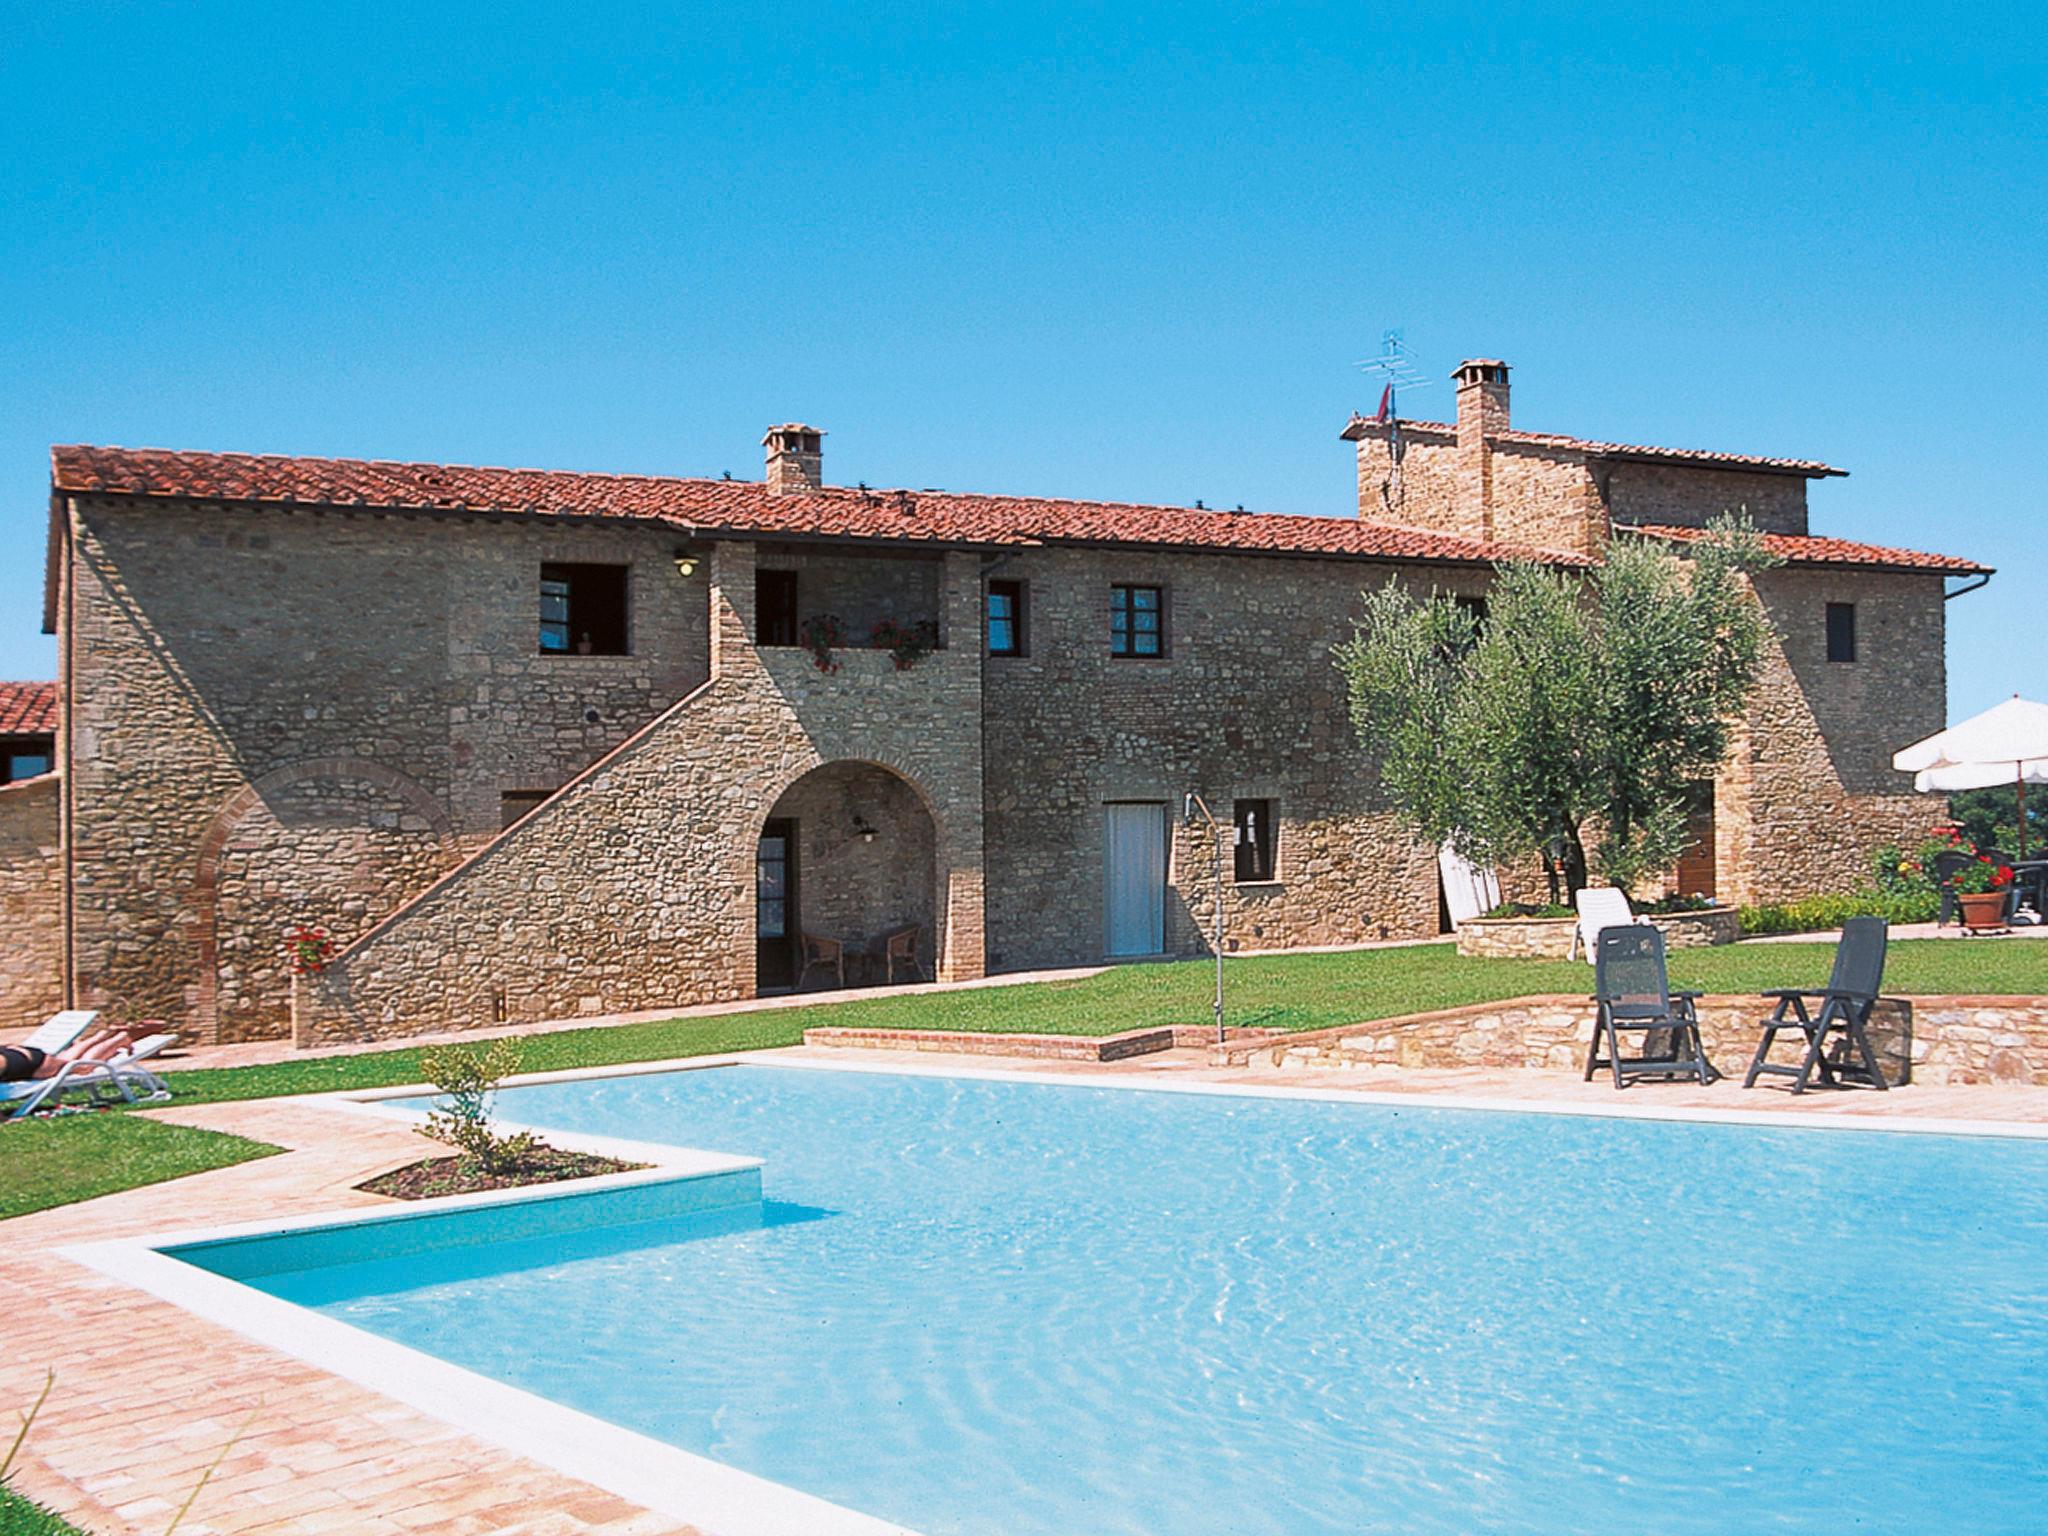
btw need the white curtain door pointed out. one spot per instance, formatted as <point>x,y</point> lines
<point>1135,842</point>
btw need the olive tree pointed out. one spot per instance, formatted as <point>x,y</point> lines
<point>1584,702</point>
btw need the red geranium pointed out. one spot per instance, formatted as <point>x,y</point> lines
<point>309,947</point>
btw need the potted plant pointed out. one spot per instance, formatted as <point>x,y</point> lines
<point>822,634</point>
<point>1980,888</point>
<point>907,644</point>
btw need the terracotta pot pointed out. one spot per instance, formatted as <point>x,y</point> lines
<point>1982,909</point>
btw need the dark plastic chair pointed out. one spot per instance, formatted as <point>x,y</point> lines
<point>1632,991</point>
<point>1845,1007</point>
<point>1945,866</point>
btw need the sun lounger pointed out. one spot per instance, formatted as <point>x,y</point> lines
<point>120,1078</point>
<point>1600,908</point>
<point>61,1029</point>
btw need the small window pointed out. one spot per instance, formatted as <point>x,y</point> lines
<point>27,765</point>
<point>1136,621</point>
<point>1474,608</point>
<point>1841,631</point>
<point>775,607</point>
<point>515,804</point>
<point>1006,618</point>
<point>582,610</point>
<point>1255,840</point>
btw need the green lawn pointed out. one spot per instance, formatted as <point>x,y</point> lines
<point>18,1517</point>
<point>1292,992</point>
<point>75,1157</point>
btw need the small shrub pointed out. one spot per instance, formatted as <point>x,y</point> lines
<point>1815,914</point>
<point>1666,906</point>
<point>1528,909</point>
<point>466,1076</point>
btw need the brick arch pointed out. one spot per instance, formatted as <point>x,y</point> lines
<point>203,927</point>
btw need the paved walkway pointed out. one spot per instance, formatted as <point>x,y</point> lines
<point>146,1395</point>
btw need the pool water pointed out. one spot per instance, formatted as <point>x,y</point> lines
<point>990,1307</point>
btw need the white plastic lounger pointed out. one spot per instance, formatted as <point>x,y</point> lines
<point>1599,908</point>
<point>121,1077</point>
<point>61,1029</point>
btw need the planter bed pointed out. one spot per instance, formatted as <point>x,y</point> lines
<point>1550,938</point>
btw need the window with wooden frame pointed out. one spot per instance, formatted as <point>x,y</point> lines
<point>774,607</point>
<point>1007,619</point>
<point>582,609</point>
<point>1256,841</point>
<point>1137,622</point>
<point>1841,620</point>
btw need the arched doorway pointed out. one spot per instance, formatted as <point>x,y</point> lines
<point>848,853</point>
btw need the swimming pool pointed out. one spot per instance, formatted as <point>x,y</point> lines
<point>972,1305</point>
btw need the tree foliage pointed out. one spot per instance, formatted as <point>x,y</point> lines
<point>1581,702</point>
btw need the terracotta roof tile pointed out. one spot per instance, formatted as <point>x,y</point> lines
<point>28,709</point>
<point>1705,458</point>
<point>1813,549</point>
<point>743,507</point>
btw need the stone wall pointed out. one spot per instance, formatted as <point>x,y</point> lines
<point>1550,938</point>
<point>1691,495</point>
<point>860,589</point>
<point>212,649</point>
<point>1247,704</point>
<point>31,890</point>
<point>1810,792</point>
<point>1929,1040</point>
<point>634,886</point>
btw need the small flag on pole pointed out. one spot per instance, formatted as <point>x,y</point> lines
<point>1386,403</point>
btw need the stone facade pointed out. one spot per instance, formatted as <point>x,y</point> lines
<point>31,902</point>
<point>634,886</point>
<point>1938,1040</point>
<point>307,711</point>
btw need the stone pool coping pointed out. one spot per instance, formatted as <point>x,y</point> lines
<point>147,1394</point>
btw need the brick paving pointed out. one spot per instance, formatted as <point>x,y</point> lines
<point>147,1395</point>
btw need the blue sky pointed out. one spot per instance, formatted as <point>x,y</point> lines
<point>1132,253</point>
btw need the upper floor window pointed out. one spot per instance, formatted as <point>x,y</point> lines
<point>1006,618</point>
<point>1255,839</point>
<point>774,607</point>
<point>1137,621</point>
<point>25,757</point>
<point>1841,631</point>
<point>582,610</point>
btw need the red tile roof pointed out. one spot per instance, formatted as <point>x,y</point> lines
<point>1813,549</point>
<point>711,507</point>
<point>1705,458</point>
<point>28,709</point>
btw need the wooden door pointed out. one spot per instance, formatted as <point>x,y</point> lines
<point>1695,876</point>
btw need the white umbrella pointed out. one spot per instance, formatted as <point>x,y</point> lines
<point>2007,744</point>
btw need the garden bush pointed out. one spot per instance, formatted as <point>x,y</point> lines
<point>1816,914</point>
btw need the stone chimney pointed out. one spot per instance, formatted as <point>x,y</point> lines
<point>796,458</point>
<point>1482,399</point>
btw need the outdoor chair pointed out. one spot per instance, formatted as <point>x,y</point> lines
<point>120,1078</point>
<point>900,948</point>
<point>819,950</point>
<point>1600,908</point>
<point>1632,992</point>
<point>61,1029</point>
<point>1944,867</point>
<point>1845,1008</point>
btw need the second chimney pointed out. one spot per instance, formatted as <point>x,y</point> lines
<point>796,458</point>
<point>1482,398</point>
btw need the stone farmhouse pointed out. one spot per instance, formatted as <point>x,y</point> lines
<point>537,744</point>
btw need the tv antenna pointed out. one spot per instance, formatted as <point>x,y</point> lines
<point>1397,371</point>
<point>1395,367</point>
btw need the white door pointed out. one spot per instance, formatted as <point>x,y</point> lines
<point>1135,846</point>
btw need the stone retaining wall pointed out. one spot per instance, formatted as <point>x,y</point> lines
<point>1550,938</point>
<point>1939,1040</point>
